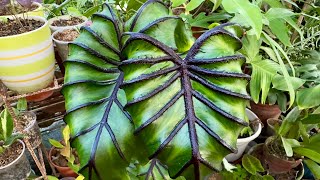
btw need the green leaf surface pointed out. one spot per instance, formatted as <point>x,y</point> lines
<point>176,3</point>
<point>308,97</point>
<point>288,144</point>
<point>314,167</point>
<point>289,121</point>
<point>248,11</point>
<point>252,164</point>
<point>56,143</point>
<point>279,82</point>
<point>193,4</point>
<point>278,13</point>
<point>101,131</point>
<point>184,108</point>
<point>311,119</point>
<point>202,20</point>
<point>280,30</point>
<point>153,170</point>
<point>263,71</point>
<point>309,153</point>
<point>6,124</point>
<point>22,104</point>
<point>216,3</point>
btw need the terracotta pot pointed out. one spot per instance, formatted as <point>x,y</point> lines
<point>265,111</point>
<point>271,125</point>
<point>257,151</point>
<point>40,96</point>
<point>64,171</point>
<point>277,165</point>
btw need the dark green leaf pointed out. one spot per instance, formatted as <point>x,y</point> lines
<point>252,164</point>
<point>311,119</point>
<point>186,108</point>
<point>101,131</point>
<point>202,20</point>
<point>153,170</point>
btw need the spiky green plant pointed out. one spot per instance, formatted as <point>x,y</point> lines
<point>144,89</point>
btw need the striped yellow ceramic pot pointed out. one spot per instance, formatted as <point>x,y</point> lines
<point>37,12</point>
<point>27,60</point>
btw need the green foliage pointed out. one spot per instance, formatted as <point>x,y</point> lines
<point>251,169</point>
<point>249,14</point>
<point>65,148</point>
<point>7,138</point>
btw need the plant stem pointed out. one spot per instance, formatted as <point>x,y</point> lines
<point>300,19</point>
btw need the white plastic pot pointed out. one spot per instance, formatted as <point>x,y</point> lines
<point>242,143</point>
<point>56,28</point>
<point>62,46</point>
<point>17,169</point>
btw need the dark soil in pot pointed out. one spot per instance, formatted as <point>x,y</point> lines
<point>30,125</point>
<point>11,154</point>
<point>67,22</point>
<point>13,26</point>
<point>67,35</point>
<point>18,8</point>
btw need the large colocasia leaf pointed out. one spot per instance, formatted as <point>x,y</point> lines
<point>102,132</point>
<point>100,128</point>
<point>188,108</point>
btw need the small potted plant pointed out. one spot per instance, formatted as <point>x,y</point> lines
<point>62,38</point>
<point>21,8</point>
<point>247,135</point>
<point>28,121</point>
<point>26,53</point>
<point>14,164</point>
<point>63,157</point>
<point>67,22</point>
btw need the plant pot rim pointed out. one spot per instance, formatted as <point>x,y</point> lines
<point>23,151</point>
<point>50,21</point>
<point>34,120</point>
<point>61,30</point>
<point>257,130</point>
<point>264,105</point>
<point>23,34</point>
<point>35,10</point>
